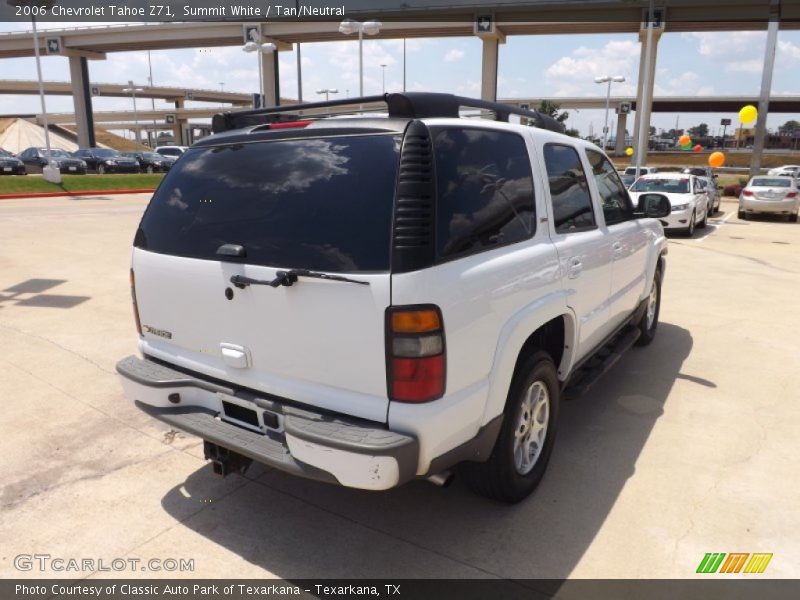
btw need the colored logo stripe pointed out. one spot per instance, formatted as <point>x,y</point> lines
<point>713,562</point>
<point>734,562</point>
<point>758,563</point>
<point>710,562</point>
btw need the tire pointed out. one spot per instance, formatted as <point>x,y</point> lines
<point>505,477</point>
<point>649,321</point>
<point>793,218</point>
<point>101,169</point>
<point>742,216</point>
<point>150,169</point>
<point>689,231</point>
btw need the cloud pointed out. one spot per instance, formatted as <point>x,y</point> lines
<point>574,75</point>
<point>454,55</point>
<point>743,51</point>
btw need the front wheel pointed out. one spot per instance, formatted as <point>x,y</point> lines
<point>522,451</point>
<point>149,169</point>
<point>649,321</point>
<point>101,169</point>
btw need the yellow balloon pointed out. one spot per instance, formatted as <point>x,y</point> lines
<point>628,151</point>
<point>716,159</point>
<point>748,114</point>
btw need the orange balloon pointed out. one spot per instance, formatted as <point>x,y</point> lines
<point>716,159</point>
<point>684,140</point>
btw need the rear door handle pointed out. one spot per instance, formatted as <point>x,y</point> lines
<point>575,268</point>
<point>616,249</point>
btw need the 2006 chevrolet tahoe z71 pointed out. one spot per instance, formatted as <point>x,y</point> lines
<point>366,300</point>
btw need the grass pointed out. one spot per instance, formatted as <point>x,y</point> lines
<point>32,184</point>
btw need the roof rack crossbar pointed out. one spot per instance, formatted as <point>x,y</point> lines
<point>409,105</point>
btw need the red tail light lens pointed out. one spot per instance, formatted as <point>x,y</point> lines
<point>290,125</point>
<point>416,358</point>
<point>791,194</point>
<point>747,193</point>
<point>135,306</point>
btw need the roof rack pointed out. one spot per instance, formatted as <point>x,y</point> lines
<point>408,105</point>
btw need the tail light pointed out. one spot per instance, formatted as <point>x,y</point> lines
<point>290,125</point>
<point>415,353</point>
<point>791,195</point>
<point>747,193</point>
<point>135,307</point>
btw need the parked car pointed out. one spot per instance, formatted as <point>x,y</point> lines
<point>776,195</point>
<point>36,159</point>
<point>327,302</point>
<point>687,195</point>
<point>627,179</point>
<point>786,171</point>
<point>150,162</point>
<point>10,164</point>
<point>642,171</point>
<point>712,192</point>
<point>172,151</point>
<point>106,160</point>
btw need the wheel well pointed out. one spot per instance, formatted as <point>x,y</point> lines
<point>549,337</point>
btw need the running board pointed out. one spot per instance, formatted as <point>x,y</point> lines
<point>600,363</point>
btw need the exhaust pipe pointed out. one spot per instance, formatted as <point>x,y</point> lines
<point>443,479</point>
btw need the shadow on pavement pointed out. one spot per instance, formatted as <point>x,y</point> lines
<point>303,529</point>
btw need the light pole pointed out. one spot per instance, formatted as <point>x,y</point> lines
<point>154,138</point>
<point>327,92</point>
<point>221,86</point>
<point>370,28</point>
<point>131,89</point>
<point>608,79</point>
<point>261,49</point>
<point>383,79</point>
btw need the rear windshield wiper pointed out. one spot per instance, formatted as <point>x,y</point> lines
<point>288,278</point>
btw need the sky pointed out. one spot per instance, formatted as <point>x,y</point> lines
<point>688,64</point>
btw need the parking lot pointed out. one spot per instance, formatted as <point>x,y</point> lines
<point>686,447</point>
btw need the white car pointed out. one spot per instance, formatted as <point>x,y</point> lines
<point>686,194</point>
<point>785,171</point>
<point>776,195</point>
<point>369,301</point>
<point>173,152</point>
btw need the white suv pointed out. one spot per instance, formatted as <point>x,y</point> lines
<point>370,300</point>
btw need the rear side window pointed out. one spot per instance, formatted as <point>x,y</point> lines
<point>316,203</point>
<point>484,190</point>
<point>569,190</point>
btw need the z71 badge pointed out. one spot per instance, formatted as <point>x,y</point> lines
<point>159,332</point>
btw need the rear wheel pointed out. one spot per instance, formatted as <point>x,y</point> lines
<point>793,218</point>
<point>742,215</point>
<point>520,455</point>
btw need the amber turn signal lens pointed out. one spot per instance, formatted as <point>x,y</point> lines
<point>415,321</point>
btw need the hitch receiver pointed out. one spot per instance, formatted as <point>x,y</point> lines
<point>225,461</point>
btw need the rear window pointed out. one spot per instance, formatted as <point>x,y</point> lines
<point>670,186</point>
<point>771,182</point>
<point>317,203</point>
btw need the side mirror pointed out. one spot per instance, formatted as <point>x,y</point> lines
<point>654,206</point>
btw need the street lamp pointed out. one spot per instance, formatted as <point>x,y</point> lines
<point>327,91</point>
<point>131,89</point>
<point>383,79</point>
<point>261,49</point>
<point>370,28</point>
<point>608,79</point>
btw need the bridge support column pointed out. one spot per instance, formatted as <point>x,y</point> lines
<point>82,97</point>
<point>622,122</point>
<point>491,51</point>
<point>642,118</point>
<point>270,73</point>
<point>766,86</point>
<point>177,127</point>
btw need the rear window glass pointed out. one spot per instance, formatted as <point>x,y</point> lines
<point>771,182</point>
<point>670,186</point>
<point>318,203</point>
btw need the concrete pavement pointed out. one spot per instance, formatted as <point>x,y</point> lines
<point>687,446</point>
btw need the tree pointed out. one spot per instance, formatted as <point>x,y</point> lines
<point>788,127</point>
<point>652,130</point>
<point>700,131</point>
<point>573,133</point>
<point>551,109</point>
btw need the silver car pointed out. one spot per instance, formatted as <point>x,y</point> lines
<point>774,195</point>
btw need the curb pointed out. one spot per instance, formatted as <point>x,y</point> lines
<point>79,193</point>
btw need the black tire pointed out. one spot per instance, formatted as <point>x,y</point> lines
<point>689,231</point>
<point>793,218</point>
<point>702,224</point>
<point>499,477</point>
<point>647,327</point>
<point>101,169</point>
<point>742,215</point>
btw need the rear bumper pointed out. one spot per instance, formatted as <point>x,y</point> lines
<point>326,447</point>
<point>786,207</point>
